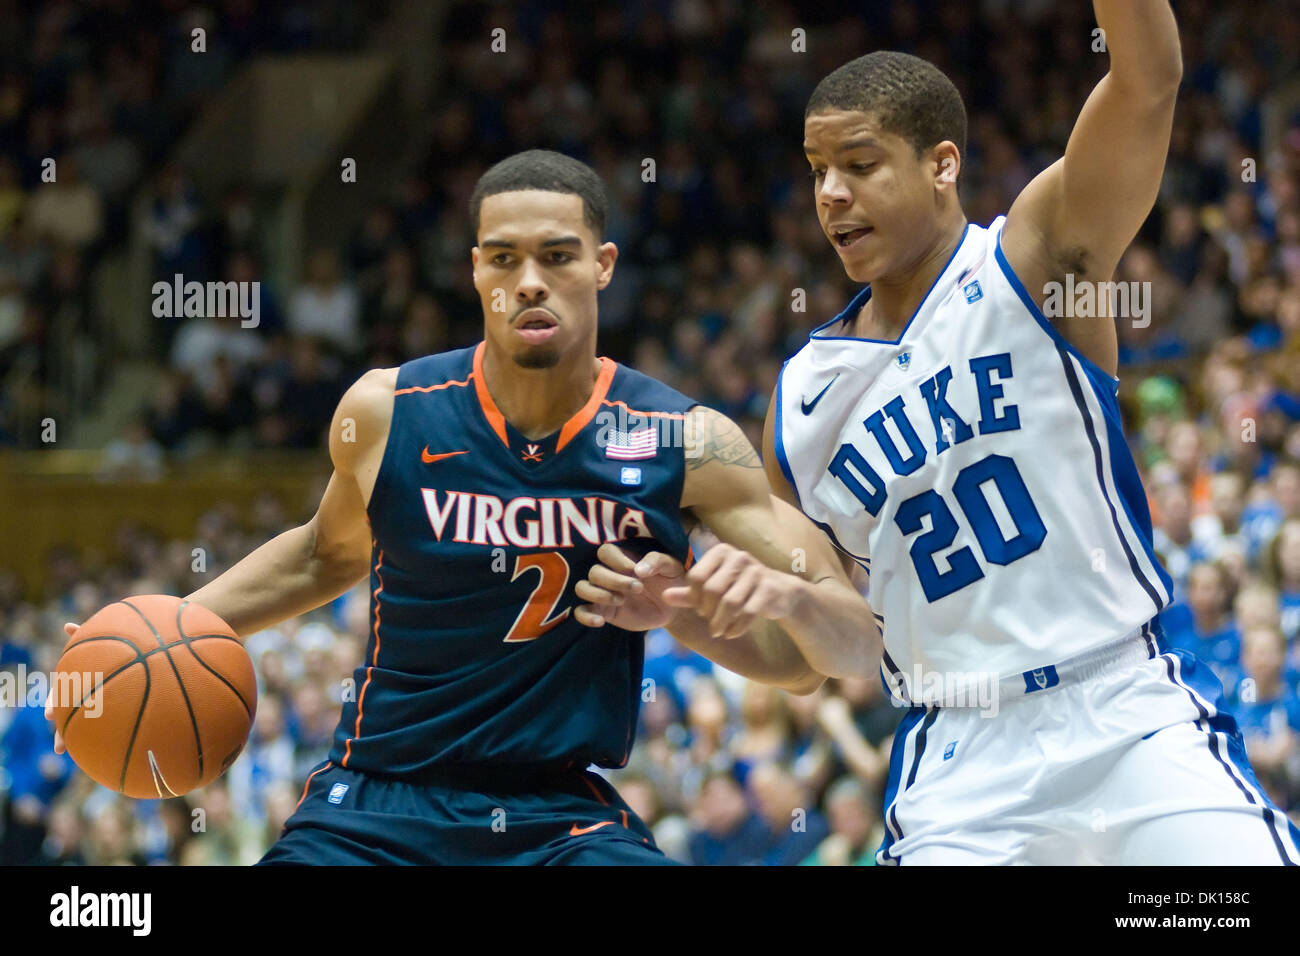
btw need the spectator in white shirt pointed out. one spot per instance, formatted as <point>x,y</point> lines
<point>326,306</point>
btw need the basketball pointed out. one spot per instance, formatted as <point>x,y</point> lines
<point>154,696</point>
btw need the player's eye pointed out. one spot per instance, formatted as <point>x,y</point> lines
<point>863,167</point>
<point>501,259</point>
<point>816,173</point>
<point>559,258</point>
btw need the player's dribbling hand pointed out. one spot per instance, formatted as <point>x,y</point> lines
<point>626,591</point>
<point>69,629</point>
<point>731,589</point>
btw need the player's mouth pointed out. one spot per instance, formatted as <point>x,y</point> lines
<point>847,235</point>
<point>535,326</point>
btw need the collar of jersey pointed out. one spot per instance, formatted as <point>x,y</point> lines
<point>851,310</point>
<point>569,429</point>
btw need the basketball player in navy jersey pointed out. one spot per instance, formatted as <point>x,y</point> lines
<point>956,431</point>
<point>474,488</point>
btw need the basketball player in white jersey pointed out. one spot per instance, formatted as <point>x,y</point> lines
<point>966,451</point>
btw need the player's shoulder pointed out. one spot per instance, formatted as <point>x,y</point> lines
<point>372,390</point>
<point>369,400</point>
<point>427,372</point>
<point>363,416</point>
<point>639,391</point>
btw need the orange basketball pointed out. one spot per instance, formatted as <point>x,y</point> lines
<point>154,696</point>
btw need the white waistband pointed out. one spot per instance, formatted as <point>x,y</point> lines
<point>978,689</point>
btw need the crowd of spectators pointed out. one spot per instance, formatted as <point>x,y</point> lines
<point>723,272</point>
<point>92,97</point>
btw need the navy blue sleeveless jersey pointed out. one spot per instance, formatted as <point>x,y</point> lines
<point>480,535</point>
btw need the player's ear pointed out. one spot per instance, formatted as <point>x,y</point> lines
<point>947,165</point>
<point>606,256</point>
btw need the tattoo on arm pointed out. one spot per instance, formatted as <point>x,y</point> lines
<point>714,437</point>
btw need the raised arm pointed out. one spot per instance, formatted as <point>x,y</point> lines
<point>1079,215</point>
<point>307,566</point>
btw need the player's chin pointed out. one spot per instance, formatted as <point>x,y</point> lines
<point>861,268</point>
<point>537,356</point>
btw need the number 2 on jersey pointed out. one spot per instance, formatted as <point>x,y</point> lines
<point>553,577</point>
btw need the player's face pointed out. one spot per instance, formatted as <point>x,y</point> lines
<point>537,269</point>
<point>878,202</point>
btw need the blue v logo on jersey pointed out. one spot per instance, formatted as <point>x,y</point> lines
<point>904,360</point>
<point>972,291</point>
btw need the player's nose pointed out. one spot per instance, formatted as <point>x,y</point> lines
<point>532,282</point>
<point>834,188</point>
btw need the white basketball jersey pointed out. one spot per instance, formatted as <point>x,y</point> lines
<point>977,469</point>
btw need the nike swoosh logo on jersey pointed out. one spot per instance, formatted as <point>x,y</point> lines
<point>806,406</point>
<point>430,459</point>
<point>575,830</point>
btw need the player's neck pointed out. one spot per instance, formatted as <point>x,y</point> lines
<point>895,299</point>
<point>538,402</point>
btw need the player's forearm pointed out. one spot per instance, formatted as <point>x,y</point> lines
<point>765,654</point>
<point>281,579</point>
<point>1142,41</point>
<point>829,633</point>
<point>834,630</point>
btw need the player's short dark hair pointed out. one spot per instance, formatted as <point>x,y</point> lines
<point>548,170</point>
<point>909,97</point>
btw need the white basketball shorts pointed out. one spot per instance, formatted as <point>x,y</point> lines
<point>1121,756</point>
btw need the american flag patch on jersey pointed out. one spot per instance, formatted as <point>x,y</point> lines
<point>629,446</point>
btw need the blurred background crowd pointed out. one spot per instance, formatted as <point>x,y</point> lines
<point>723,272</point>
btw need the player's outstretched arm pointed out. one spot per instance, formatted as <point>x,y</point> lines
<point>772,601</point>
<point>1079,215</point>
<point>307,566</point>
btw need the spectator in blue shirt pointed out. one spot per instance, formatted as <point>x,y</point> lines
<point>1263,518</point>
<point>727,831</point>
<point>1204,624</point>
<point>36,776</point>
<point>672,666</point>
<point>1268,712</point>
<point>1284,562</point>
<point>796,827</point>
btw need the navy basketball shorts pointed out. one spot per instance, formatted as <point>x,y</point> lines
<point>573,817</point>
